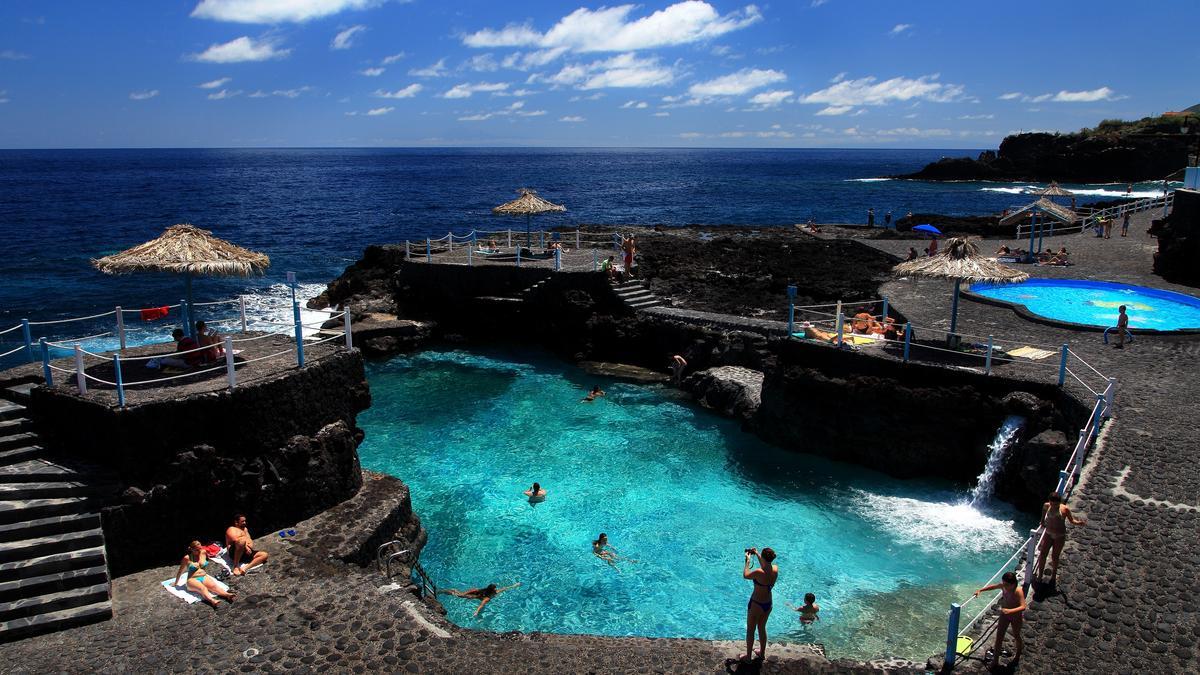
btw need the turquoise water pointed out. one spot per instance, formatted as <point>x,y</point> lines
<point>1095,303</point>
<point>680,490</point>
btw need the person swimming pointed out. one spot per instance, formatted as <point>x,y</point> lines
<point>484,595</point>
<point>536,494</point>
<point>604,551</point>
<point>808,611</point>
<point>595,393</point>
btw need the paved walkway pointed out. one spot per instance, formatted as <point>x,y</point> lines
<point>1128,594</point>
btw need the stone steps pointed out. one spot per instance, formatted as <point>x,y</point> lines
<point>635,295</point>
<point>53,570</point>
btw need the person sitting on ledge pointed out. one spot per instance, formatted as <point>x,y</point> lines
<point>609,267</point>
<point>207,338</point>
<point>484,595</point>
<point>198,580</point>
<point>1004,251</point>
<point>183,343</point>
<point>863,322</point>
<point>912,253</point>
<point>536,494</point>
<point>241,547</point>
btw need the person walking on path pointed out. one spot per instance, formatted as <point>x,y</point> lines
<point>870,217</point>
<point>1107,228</point>
<point>1122,326</point>
<point>1125,225</point>
<point>758,610</point>
<point>1055,516</point>
<point>1012,613</point>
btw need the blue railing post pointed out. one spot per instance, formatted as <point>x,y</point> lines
<point>28,339</point>
<point>883,316</point>
<point>1062,482</point>
<point>46,372</point>
<point>407,250</point>
<point>1109,392</point>
<point>841,325</point>
<point>907,340</point>
<point>428,250</point>
<point>952,635</point>
<point>542,240</point>
<point>299,334</point>
<point>118,380</point>
<point>954,307</point>
<point>791,292</point>
<point>594,266</point>
<point>518,255</point>
<point>187,320</point>
<point>1062,366</point>
<point>987,367</point>
<point>471,255</point>
<point>1099,411</point>
<point>557,259</point>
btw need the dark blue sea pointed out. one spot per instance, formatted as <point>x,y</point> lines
<point>313,211</point>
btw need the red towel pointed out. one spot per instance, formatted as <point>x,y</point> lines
<point>213,549</point>
<point>152,313</point>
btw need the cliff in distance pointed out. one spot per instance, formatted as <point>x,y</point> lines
<point>1115,151</point>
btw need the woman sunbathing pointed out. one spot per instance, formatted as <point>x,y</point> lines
<point>484,595</point>
<point>198,580</point>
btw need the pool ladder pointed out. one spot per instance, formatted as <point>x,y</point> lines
<point>391,551</point>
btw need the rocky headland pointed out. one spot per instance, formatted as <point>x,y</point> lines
<point>1115,151</point>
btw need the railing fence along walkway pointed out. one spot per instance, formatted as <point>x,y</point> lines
<point>513,247</point>
<point>294,328</point>
<point>1092,216</point>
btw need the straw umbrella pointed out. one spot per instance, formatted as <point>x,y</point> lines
<point>188,250</point>
<point>1042,205</point>
<point>959,260</point>
<point>528,204</point>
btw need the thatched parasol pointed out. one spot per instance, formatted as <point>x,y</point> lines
<point>1042,205</point>
<point>959,260</point>
<point>186,249</point>
<point>528,205</point>
<point>1054,190</point>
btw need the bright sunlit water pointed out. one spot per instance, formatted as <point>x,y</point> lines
<point>1096,303</point>
<point>675,487</point>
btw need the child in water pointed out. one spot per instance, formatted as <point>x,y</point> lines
<point>808,612</point>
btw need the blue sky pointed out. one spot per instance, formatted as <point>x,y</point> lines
<point>798,73</point>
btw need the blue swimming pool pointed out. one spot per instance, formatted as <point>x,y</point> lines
<point>1095,303</point>
<point>676,488</point>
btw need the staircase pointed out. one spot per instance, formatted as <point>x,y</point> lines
<point>53,573</point>
<point>635,295</point>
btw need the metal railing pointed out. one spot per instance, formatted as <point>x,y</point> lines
<point>572,251</point>
<point>1091,217</point>
<point>386,553</point>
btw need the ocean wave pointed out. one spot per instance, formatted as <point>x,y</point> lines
<point>867,180</point>
<point>1079,192</point>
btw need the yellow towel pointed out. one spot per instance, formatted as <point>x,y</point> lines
<point>1031,353</point>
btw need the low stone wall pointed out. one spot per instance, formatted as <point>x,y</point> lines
<point>279,450</point>
<point>1179,240</point>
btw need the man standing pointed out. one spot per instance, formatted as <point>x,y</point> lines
<point>870,217</point>
<point>1125,225</point>
<point>241,546</point>
<point>1122,326</point>
<point>887,219</point>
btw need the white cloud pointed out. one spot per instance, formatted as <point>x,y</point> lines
<point>376,112</point>
<point>291,93</point>
<point>4,96</point>
<point>259,93</point>
<point>531,113</point>
<point>818,3</point>
<point>10,55</point>
<point>345,39</point>
<point>534,59</point>
<point>216,84</point>
<point>662,114</point>
<point>515,108</point>
<point>590,97</point>
<point>624,70</point>
<point>635,104</point>
<point>275,11</point>
<point>1010,96</point>
<point>372,72</point>
<point>736,84</point>
<point>976,117</point>
<point>242,49</point>
<point>436,70</point>
<point>482,63</point>
<point>143,95</point>
<point>465,90</point>
<point>910,131</point>
<point>572,118</point>
<point>389,60</point>
<point>609,29</point>
<point>407,92</point>
<point>1101,94</point>
<point>223,94</point>
<point>835,110</point>
<point>868,91</point>
<point>770,99</point>
<point>478,117</point>
<point>900,28</point>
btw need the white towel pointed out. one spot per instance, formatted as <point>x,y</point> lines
<point>224,559</point>
<point>178,588</point>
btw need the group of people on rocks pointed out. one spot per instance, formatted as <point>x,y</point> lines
<point>192,352</point>
<point>243,556</point>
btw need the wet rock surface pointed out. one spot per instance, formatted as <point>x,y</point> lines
<point>731,390</point>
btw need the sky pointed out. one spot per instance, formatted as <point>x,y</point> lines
<point>691,73</point>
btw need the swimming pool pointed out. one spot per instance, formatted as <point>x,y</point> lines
<point>675,487</point>
<point>1095,303</point>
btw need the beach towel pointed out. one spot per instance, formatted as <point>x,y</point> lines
<point>153,313</point>
<point>178,588</point>
<point>225,559</point>
<point>862,339</point>
<point>1031,353</point>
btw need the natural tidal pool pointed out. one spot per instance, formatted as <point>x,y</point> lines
<point>675,487</point>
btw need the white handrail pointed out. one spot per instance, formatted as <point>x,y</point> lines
<point>1089,219</point>
<point>76,318</point>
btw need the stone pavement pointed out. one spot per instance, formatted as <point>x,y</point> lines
<point>1128,596</point>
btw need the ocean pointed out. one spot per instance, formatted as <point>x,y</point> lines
<point>314,210</point>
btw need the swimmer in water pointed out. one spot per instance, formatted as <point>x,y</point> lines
<point>602,550</point>
<point>593,395</point>
<point>484,595</point>
<point>536,494</point>
<point>808,611</point>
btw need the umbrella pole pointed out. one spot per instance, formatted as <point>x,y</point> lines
<point>189,330</point>
<point>1032,224</point>
<point>528,236</point>
<point>954,307</point>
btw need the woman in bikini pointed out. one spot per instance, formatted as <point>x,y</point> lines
<point>1055,516</point>
<point>198,580</point>
<point>1012,612</point>
<point>484,595</point>
<point>758,610</point>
